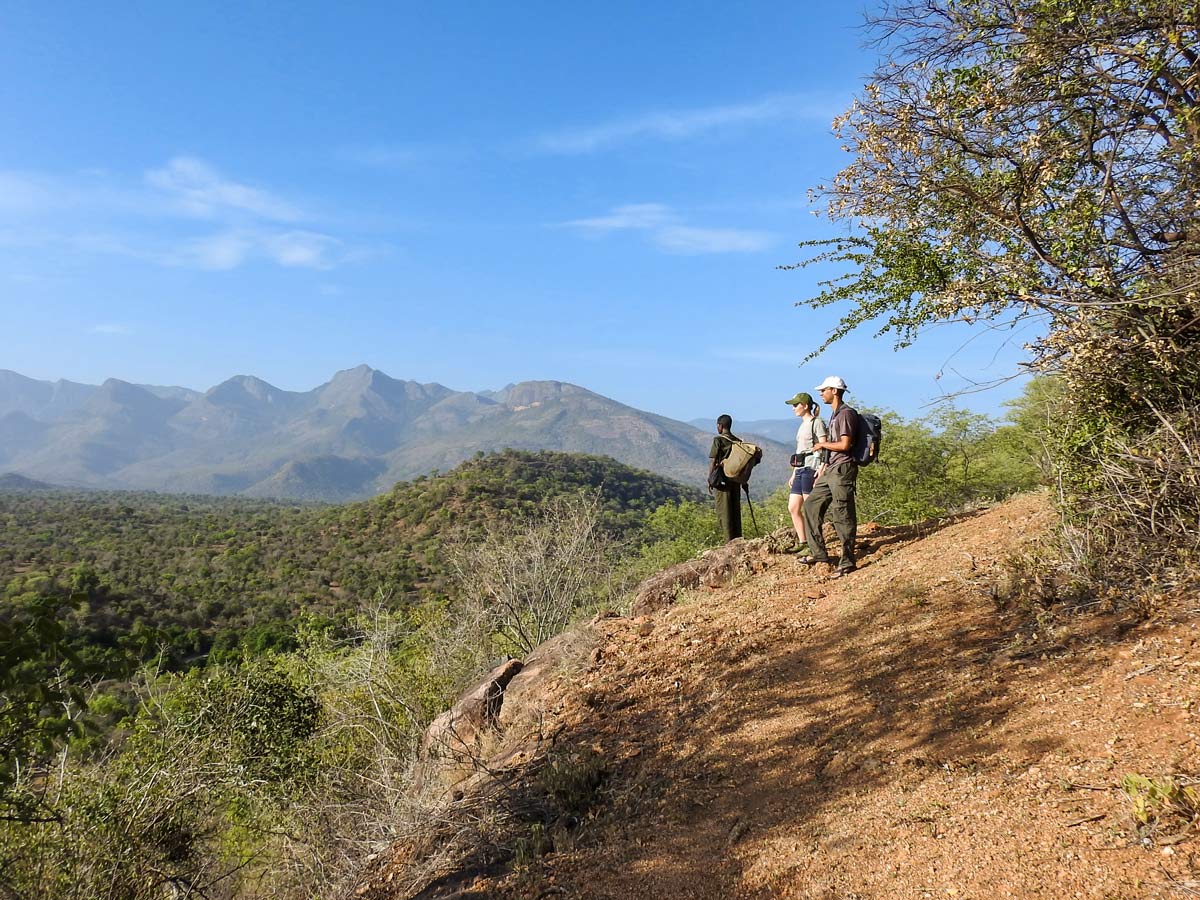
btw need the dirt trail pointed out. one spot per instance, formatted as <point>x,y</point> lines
<point>879,736</point>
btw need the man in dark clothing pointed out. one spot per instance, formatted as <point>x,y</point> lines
<point>835,488</point>
<point>729,503</point>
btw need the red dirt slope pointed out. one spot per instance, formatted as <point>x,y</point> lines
<point>891,734</point>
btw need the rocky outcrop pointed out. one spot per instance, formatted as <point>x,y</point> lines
<point>482,754</point>
<point>451,749</point>
<point>500,722</point>
<point>712,569</point>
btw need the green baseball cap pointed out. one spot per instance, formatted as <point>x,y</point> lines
<point>802,397</point>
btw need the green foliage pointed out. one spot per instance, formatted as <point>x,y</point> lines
<point>253,719</point>
<point>1159,804</point>
<point>256,780</point>
<point>185,580</point>
<point>947,461</point>
<point>41,700</point>
<point>676,532</point>
<point>204,758</point>
<point>1036,160</point>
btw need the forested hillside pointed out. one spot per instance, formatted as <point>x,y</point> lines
<point>193,575</point>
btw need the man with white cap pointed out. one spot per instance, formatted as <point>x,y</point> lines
<point>835,488</point>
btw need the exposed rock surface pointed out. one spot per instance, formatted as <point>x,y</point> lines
<point>715,568</point>
<point>453,743</point>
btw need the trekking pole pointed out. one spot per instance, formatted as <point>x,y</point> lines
<point>757,530</point>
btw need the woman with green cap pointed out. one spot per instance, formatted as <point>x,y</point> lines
<point>809,462</point>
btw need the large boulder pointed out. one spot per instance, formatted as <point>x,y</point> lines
<point>711,569</point>
<point>454,742</point>
<point>532,693</point>
<point>501,722</point>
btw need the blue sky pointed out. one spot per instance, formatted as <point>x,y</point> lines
<point>473,194</point>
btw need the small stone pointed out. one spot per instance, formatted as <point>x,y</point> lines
<point>840,764</point>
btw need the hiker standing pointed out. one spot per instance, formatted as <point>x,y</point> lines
<point>729,502</point>
<point>835,487</point>
<point>808,461</point>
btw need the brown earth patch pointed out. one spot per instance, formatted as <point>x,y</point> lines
<point>890,734</point>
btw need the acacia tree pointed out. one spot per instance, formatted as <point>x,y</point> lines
<point>1039,158</point>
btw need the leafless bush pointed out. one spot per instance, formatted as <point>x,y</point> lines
<point>525,582</point>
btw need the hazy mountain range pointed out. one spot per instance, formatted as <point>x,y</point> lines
<point>352,437</point>
<point>781,430</point>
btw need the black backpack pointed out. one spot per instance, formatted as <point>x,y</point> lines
<point>866,441</point>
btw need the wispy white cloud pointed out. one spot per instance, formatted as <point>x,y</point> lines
<point>677,125</point>
<point>687,239</point>
<point>184,213</point>
<point>215,252</point>
<point>635,216</point>
<point>665,230</point>
<point>201,190</point>
<point>302,249</point>
<point>231,249</point>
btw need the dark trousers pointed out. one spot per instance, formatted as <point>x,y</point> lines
<point>833,493</point>
<point>729,512</point>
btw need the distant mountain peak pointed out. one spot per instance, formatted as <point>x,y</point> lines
<point>357,433</point>
<point>359,373</point>
<point>529,393</point>
<point>124,391</point>
<point>241,388</point>
<point>11,481</point>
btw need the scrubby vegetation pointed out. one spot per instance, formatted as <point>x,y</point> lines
<point>182,580</point>
<point>223,698</point>
<point>213,697</point>
<point>1033,163</point>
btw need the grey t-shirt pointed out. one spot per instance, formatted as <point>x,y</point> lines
<point>805,440</point>
<point>843,422</point>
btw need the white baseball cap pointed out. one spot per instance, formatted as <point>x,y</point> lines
<point>832,382</point>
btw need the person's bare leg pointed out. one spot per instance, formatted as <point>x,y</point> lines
<point>796,509</point>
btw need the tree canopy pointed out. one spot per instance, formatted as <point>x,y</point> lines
<point>1019,159</point>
